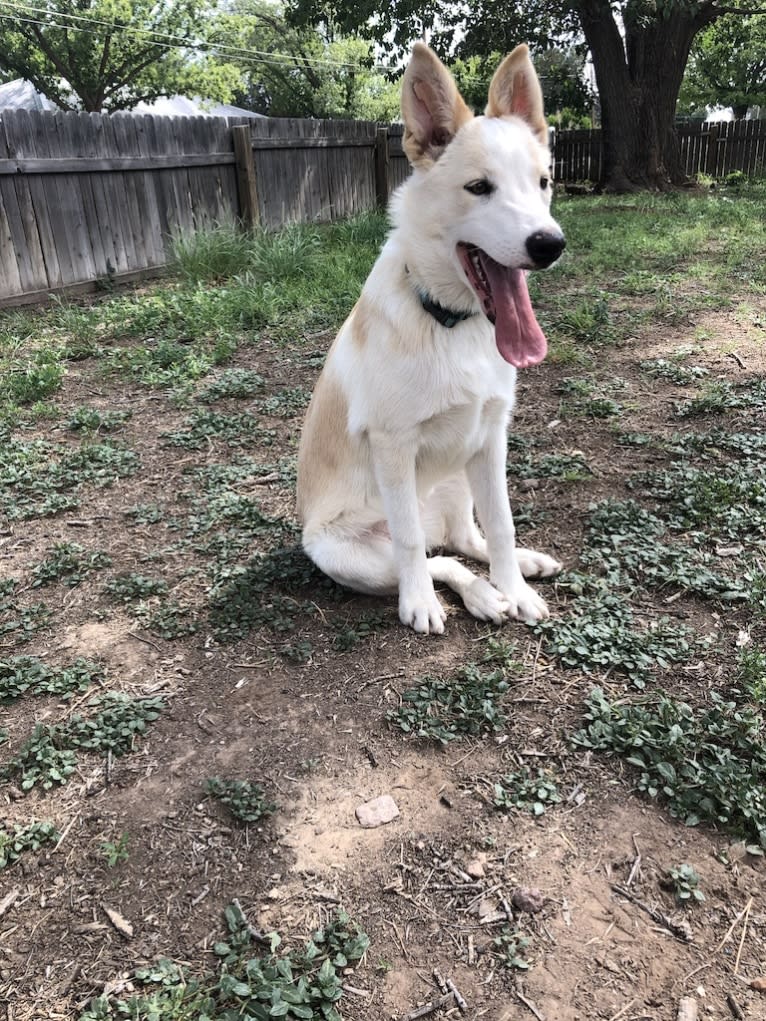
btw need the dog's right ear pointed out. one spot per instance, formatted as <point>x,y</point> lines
<point>432,107</point>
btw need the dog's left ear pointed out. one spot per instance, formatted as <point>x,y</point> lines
<point>432,107</point>
<point>515,89</point>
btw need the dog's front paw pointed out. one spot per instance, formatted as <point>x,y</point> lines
<point>537,565</point>
<point>525,604</point>
<point>423,612</point>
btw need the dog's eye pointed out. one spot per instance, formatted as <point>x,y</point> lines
<point>480,187</point>
<point>544,183</point>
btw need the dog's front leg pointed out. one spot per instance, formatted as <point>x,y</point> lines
<point>486,476</point>
<point>394,464</point>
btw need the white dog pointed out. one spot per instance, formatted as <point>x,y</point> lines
<point>407,427</point>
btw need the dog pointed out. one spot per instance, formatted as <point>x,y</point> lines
<point>406,433</point>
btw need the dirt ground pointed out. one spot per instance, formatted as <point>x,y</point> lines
<point>430,888</point>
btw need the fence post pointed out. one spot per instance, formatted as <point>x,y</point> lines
<point>246,181</point>
<point>381,167</point>
<point>711,156</point>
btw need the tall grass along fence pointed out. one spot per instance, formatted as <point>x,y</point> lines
<point>712,149</point>
<point>89,199</point>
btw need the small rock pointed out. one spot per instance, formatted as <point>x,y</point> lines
<point>486,907</point>
<point>528,899</point>
<point>377,812</point>
<point>475,869</point>
<point>759,984</point>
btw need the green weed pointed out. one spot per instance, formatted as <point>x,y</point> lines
<point>18,622</point>
<point>599,635</point>
<point>508,949</point>
<point>49,757</point>
<point>38,479</point>
<point>720,396</point>
<point>90,420</point>
<point>286,403</point>
<point>21,675</point>
<point>115,851</point>
<point>707,765</point>
<point>239,383</point>
<point>70,563</point>
<point>684,881</point>
<point>526,789</point>
<point>14,842</point>
<point>299,983</point>
<point>681,375</point>
<point>129,587</point>
<point>623,543</point>
<point>466,703</point>
<point>246,801</point>
<point>204,426</point>
<point>351,632</point>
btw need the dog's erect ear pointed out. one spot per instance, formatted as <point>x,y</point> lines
<point>432,107</point>
<point>515,88</point>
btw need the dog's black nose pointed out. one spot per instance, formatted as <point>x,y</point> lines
<point>544,247</point>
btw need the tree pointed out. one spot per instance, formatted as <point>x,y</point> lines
<point>727,66</point>
<point>639,50</point>
<point>291,71</point>
<point>566,96</point>
<point>111,54</point>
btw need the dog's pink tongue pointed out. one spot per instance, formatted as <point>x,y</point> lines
<point>517,332</point>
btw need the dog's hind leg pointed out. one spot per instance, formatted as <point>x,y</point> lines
<point>481,599</point>
<point>537,565</point>
<point>365,563</point>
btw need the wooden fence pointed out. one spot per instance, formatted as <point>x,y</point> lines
<point>89,198</point>
<point>713,149</point>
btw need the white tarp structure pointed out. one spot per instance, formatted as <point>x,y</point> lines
<point>22,95</point>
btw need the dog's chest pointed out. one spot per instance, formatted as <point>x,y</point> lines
<point>449,439</point>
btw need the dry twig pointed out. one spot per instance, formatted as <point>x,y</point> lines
<point>429,1008</point>
<point>528,1003</point>
<point>673,928</point>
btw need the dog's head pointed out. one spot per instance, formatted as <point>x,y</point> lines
<point>482,188</point>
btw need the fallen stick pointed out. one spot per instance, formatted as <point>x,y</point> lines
<point>254,933</point>
<point>528,1003</point>
<point>429,1008</point>
<point>687,1009</point>
<point>459,999</point>
<point>678,931</point>
<point>733,926</point>
<point>744,933</point>
<point>9,900</point>
<point>734,1007</point>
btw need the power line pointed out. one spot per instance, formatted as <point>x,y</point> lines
<point>158,38</point>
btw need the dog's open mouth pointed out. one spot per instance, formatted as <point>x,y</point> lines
<point>504,298</point>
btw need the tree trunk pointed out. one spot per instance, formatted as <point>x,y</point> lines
<point>639,79</point>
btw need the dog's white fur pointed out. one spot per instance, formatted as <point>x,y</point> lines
<point>406,431</point>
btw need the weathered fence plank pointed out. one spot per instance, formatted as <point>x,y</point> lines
<point>88,196</point>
